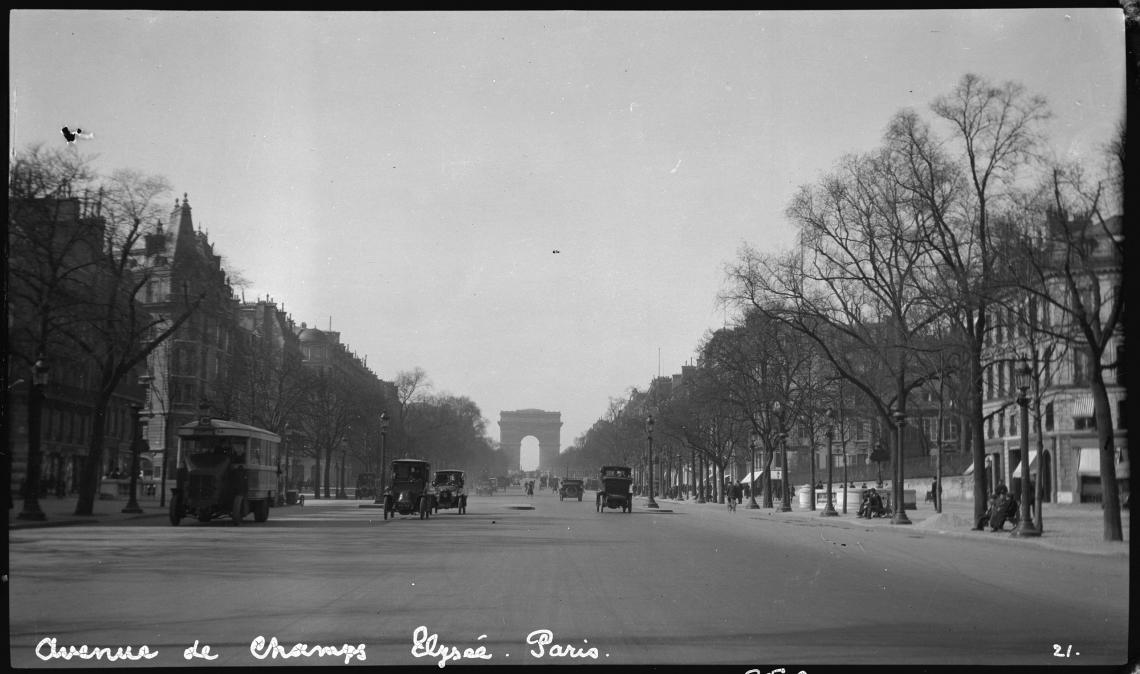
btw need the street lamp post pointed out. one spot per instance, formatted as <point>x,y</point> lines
<point>900,509</point>
<point>845,483</point>
<point>136,445</point>
<point>753,439</point>
<point>785,501</point>
<point>340,492</point>
<point>829,509</point>
<point>1025,528</point>
<point>785,488</point>
<point>31,509</point>
<point>811,465</point>
<point>649,435</point>
<point>384,420</point>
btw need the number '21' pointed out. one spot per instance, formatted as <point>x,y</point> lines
<point>1058,653</point>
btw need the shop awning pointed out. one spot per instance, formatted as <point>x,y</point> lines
<point>1083,407</point>
<point>1089,462</point>
<point>1032,463</point>
<point>970,468</point>
<point>776,475</point>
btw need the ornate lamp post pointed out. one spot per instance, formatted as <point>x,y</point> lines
<point>340,492</point>
<point>897,490</point>
<point>282,492</point>
<point>384,421</point>
<point>31,509</point>
<point>812,456</point>
<point>136,445</point>
<point>829,509</point>
<point>649,435</point>
<point>1025,528</point>
<point>753,440</point>
<point>845,482</point>
<point>785,500</point>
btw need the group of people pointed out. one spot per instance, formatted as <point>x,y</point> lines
<point>872,505</point>
<point>1003,506</point>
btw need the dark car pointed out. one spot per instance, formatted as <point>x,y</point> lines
<point>615,492</point>
<point>411,491</point>
<point>449,490</point>
<point>570,488</point>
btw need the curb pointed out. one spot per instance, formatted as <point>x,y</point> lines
<point>916,529</point>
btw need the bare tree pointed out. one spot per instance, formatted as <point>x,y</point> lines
<point>411,387</point>
<point>324,419</point>
<point>855,286</point>
<point>959,184</point>
<point>1074,255</point>
<point>83,280</point>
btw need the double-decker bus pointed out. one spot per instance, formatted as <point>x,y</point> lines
<point>224,469</point>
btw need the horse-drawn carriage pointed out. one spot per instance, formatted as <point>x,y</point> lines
<point>615,492</point>
<point>570,488</point>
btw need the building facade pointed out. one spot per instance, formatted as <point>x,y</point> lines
<point>1063,428</point>
<point>186,371</point>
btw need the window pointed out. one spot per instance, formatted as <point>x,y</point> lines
<point>990,428</point>
<point>950,429</point>
<point>1049,416</point>
<point>1080,368</point>
<point>1013,424</point>
<point>930,428</point>
<point>1001,378</point>
<point>989,376</point>
<point>1001,426</point>
<point>1084,423</point>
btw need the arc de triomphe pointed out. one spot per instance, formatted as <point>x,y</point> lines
<point>516,425</point>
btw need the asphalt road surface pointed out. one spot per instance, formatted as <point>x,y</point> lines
<point>559,583</point>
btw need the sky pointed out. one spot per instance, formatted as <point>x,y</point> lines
<point>536,208</point>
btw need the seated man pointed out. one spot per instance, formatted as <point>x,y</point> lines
<point>872,505</point>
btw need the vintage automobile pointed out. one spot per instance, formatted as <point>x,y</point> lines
<point>449,491</point>
<point>615,492</point>
<point>570,488</point>
<point>224,469</point>
<point>410,491</point>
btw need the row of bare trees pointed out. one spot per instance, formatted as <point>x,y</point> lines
<point>73,291</point>
<point>956,247</point>
<point>72,283</point>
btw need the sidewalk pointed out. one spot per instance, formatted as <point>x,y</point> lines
<point>1070,527</point>
<point>60,512</point>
